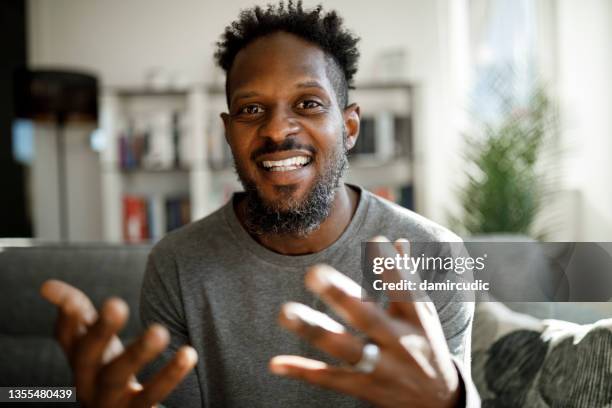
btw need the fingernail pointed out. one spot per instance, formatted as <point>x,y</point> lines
<point>321,278</point>
<point>325,276</point>
<point>156,337</point>
<point>289,310</point>
<point>188,357</point>
<point>298,315</point>
<point>292,318</point>
<point>159,332</point>
<point>279,369</point>
<point>115,310</point>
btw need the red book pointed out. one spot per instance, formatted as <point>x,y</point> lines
<point>135,227</point>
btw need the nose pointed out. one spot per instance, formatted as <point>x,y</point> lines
<point>279,125</point>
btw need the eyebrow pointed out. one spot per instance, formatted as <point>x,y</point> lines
<point>243,95</point>
<point>310,84</point>
<point>250,94</point>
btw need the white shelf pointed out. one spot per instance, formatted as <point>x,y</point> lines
<point>207,188</point>
<point>370,173</point>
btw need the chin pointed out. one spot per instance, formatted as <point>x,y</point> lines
<point>285,197</point>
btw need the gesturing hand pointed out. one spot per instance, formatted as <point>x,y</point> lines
<point>413,366</point>
<point>104,372</point>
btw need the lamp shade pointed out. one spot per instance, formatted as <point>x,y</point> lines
<point>58,95</point>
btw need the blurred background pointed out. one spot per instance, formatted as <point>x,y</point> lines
<point>487,116</point>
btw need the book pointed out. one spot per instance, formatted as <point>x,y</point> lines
<point>151,217</point>
<point>155,141</point>
<point>135,228</point>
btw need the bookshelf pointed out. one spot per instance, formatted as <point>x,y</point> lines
<point>384,159</point>
<point>166,161</point>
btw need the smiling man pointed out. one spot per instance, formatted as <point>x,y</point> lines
<point>216,286</point>
<point>289,128</point>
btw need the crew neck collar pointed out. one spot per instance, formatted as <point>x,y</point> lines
<point>246,241</point>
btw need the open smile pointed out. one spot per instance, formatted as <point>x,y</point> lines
<point>286,167</point>
<point>289,164</point>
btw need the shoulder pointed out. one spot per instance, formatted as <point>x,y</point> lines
<point>399,222</point>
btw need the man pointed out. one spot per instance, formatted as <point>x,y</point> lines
<point>214,288</point>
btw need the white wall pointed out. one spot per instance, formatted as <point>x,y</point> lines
<point>123,40</point>
<point>83,188</point>
<point>584,78</point>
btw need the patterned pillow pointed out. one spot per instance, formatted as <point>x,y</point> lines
<point>520,361</point>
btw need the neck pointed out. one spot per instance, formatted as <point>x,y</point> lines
<point>341,213</point>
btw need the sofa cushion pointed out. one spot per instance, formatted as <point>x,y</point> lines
<point>30,355</point>
<point>521,361</point>
<point>98,270</point>
<point>41,355</point>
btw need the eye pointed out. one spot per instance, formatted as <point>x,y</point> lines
<point>308,104</point>
<point>251,109</point>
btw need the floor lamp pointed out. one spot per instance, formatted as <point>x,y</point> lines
<point>59,97</point>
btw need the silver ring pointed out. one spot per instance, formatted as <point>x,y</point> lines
<point>370,356</point>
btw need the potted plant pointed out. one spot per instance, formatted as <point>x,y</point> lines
<point>510,169</point>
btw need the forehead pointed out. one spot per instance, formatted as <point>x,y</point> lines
<point>279,60</point>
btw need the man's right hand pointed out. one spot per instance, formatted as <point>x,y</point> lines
<point>104,372</point>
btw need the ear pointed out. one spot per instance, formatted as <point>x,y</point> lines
<point>351,116</point>
<point>226,122</point>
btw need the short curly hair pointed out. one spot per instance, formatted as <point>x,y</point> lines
<point>322,29</point>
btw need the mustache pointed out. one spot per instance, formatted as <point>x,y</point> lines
<point>287,144</point>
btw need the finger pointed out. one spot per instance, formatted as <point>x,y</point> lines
<point>64,295</point>
<point>340,379</point>
<point>401,304</point>
<point>373,252</point>
<point>158,388</point>
<point>321,331</point>
<point>115,376</point>
<point>402,245</point>
<point>314,326</point>
<point>75,312</point>
<point>89,357</point>
<point>401,280</point>
<point>404,248</point>
<point>68,328</point>
<point>420,308</point>
<point>344,296</point>
<point>404,301</point>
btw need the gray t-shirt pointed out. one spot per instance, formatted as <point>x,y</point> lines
<point>214,287</point>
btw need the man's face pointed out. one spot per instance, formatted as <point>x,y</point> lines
<point>287,133</point>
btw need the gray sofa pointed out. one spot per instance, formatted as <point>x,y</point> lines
<point>30,356</point>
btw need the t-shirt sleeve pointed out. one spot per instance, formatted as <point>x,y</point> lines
<point>460,346</point>
<point>456,318</point>
<point>161,302</point>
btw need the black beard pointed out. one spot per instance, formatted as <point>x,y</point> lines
<point>295,217</point>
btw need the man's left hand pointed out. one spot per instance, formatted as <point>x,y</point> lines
<point>413,367</point>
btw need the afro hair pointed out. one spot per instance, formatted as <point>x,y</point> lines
<point>322,29</point>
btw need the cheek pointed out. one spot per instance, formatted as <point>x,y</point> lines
<point>334,142</point>
<point>241,156</point>
<point>328,134</point>
<point>239,141</point>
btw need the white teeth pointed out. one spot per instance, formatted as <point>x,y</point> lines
<point>285,168</point>
<point>291,163</point>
